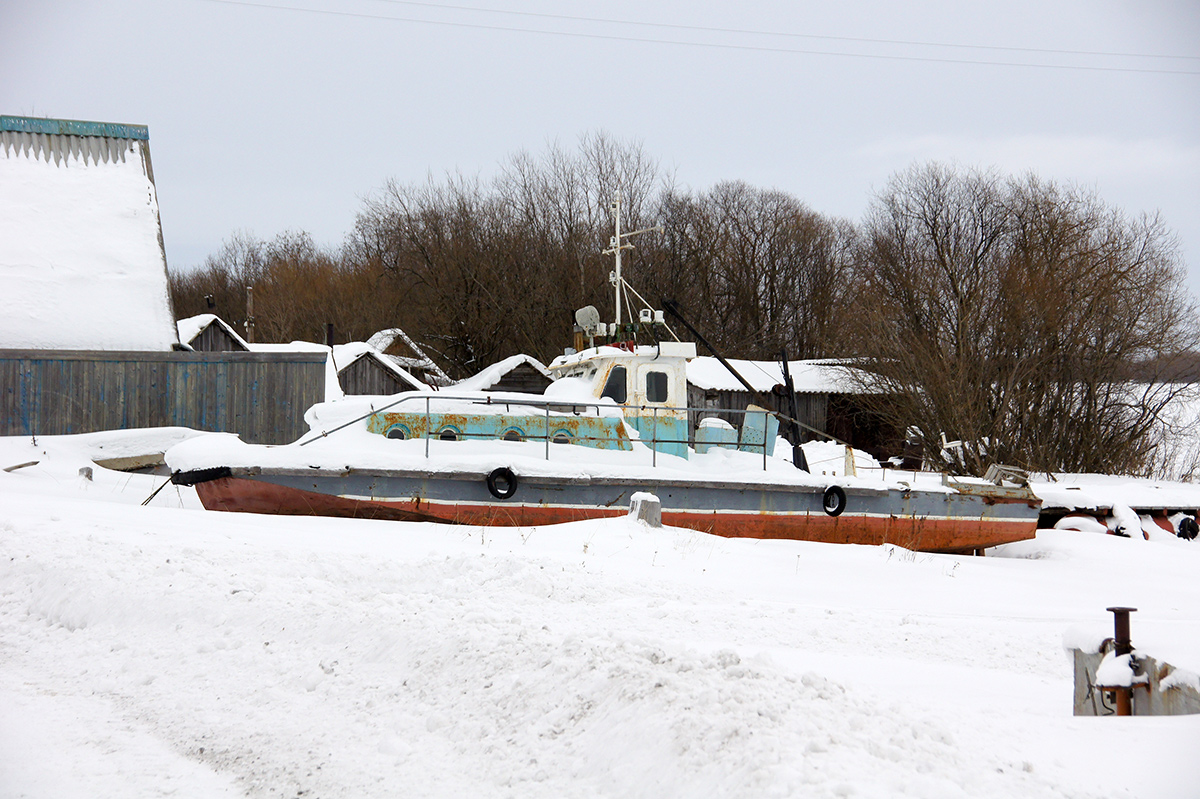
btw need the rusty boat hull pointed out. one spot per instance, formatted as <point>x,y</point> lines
<point>962,521</point>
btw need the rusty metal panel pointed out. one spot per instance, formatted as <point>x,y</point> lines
<point>1153,693</point>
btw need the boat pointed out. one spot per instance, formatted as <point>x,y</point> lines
<point>612,425</point>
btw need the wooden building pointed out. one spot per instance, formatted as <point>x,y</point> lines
<point>361,369</point>
<point>261,396</point>
<point>827,400</point>
<point>210,333</point>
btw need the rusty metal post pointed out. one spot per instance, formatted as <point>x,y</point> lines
<point>1122,645</point>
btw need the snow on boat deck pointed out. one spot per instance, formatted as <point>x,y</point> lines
<point>150,650</point>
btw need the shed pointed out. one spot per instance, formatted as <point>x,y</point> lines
<point>827,399</point>
<point>362,369</point>
<point>521,373</point>
<point>210,333</point>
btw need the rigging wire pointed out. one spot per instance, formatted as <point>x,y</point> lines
<point>711,45</point>
<point>786,34</point>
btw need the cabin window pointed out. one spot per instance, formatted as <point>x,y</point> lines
<point>562,437</point>
<point>614,387</point>
<point>399,432</point>
<point>656,386</point>
<point>513,434</point>
<point>448,434</point>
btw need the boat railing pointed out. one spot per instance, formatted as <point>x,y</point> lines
<point>577,407</point>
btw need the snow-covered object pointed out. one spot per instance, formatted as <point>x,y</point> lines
<point>1100,492</point>
<point>384,339</point>
<point>1181,678</point>
<point>1116,671</point>
<point>1124,521</point>
<point>645,508</point>
<point>1084,524</point>
<point>829,458</point>
<point>1085,638</point>
<point>493,374</point>
<point>82,264</point>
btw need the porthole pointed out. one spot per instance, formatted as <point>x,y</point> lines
<point>448,434</point>
<point>513,434</point>
<point>398,432</point>
<point>562,437</point>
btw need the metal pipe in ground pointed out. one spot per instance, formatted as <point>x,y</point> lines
<point>1122,645</point>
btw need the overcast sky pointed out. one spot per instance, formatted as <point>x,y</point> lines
<point>266,119</point>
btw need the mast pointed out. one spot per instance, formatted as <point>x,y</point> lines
<point>615,245</point>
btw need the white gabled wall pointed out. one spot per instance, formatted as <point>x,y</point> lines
<point>81,258</point>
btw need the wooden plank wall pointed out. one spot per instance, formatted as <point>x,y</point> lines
<point>260,396</point>
<point>366,376</point>
<point>812,407</point>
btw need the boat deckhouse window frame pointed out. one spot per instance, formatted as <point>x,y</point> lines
<point>615,387</point>
<point>657,386</point>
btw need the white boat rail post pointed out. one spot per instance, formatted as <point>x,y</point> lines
<point>654,440</point>
<point>765,426</point>
<point>547,431</point>
<point>427,427</point>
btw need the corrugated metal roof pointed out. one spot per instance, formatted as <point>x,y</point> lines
<point>74,127</point>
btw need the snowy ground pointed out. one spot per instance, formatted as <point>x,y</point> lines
<point>168,651</point>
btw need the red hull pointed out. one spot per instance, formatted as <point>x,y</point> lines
<point>917,533</point>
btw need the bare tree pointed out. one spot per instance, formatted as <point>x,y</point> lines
<point>1013,316</point>
<point>758,268</point>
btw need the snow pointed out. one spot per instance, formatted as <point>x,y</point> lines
<point>823,376</point>
<point>167,650</point>
<point>495,373</point>
<point>81,257</point>
<point>1101,492</point>
<point>1115,671</point>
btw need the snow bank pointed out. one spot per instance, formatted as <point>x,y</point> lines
<point>347,658</point>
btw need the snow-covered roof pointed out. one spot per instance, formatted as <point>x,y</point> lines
<point>809,377</point>
<point>192,326</point>
<point>385,338</point>
<point>81,256</point>
<point>493,374</point>
<point>346,354</point>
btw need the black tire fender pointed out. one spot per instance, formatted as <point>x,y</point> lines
<point>834,501</point>
<point>502,483</point>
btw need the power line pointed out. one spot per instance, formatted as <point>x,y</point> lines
<point>713,45</point>
<point>787,34</point>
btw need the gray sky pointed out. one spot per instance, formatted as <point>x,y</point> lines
<point>265,120</point>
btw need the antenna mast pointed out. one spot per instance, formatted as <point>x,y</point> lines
<point>615,245</point>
